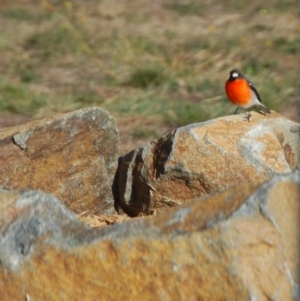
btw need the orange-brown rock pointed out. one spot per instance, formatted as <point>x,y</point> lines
<point>206,158</point>
<point>241,244</point>
<point>73,156</point>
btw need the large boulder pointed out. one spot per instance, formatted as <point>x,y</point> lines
<point>241,244</point>
<point>73,156</point>
<point>206,158</point>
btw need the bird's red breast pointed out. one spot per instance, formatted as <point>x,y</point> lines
<point>238,91</point>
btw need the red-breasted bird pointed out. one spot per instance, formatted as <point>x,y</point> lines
<point>241,92</point>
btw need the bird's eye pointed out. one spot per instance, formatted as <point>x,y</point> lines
<point>235,74</point>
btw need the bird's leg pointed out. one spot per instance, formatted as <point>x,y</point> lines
<point>247,117</point>
<point>236,110</point>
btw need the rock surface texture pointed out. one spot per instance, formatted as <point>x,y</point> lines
<point>241,244</point>
<point>206,158</point>
<point>73,156</point>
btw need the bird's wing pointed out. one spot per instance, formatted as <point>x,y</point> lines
<point>253,89</point>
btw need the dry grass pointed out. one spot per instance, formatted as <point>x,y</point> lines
<point>161,63</point>
<point>99,220</point>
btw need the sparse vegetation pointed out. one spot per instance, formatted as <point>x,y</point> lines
<point>143,132</point>
<point>168,59</point>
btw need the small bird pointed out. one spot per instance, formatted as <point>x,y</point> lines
<point>241,92</point>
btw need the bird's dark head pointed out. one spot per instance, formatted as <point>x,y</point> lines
<point>235,74</point>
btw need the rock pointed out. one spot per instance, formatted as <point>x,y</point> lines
<point>73,156</point>
<point>241,244</point>
<point>206,158</point>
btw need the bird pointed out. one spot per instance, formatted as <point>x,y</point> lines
<point>241,92</point>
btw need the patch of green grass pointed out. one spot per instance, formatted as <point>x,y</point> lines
<point>196,44</point>
<point>140,104</point>
<point>149,77</point>
<point>172,110</point>
<point>87,97</point>
<point>146,45</point>
<point>260,27</point>
<point>183,113</point>
<point>146,77</point>
<point>273,94</point>
<point>290,46</point>
<point>184,8</point>
<point>284,6</point>
<point>232,5</point>
<point>206,85</point>
<point>110,80</point>
<point>23,14</point>
<point>254,67</point>
<point>204,89</point>
<point>129,49</point>
<point>58,40</point>
<point>249,69</point>
<point>143,132</point>
<point>28,75</point>
<point>19,99</point>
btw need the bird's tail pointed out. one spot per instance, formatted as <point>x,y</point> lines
<point>264,109</point>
